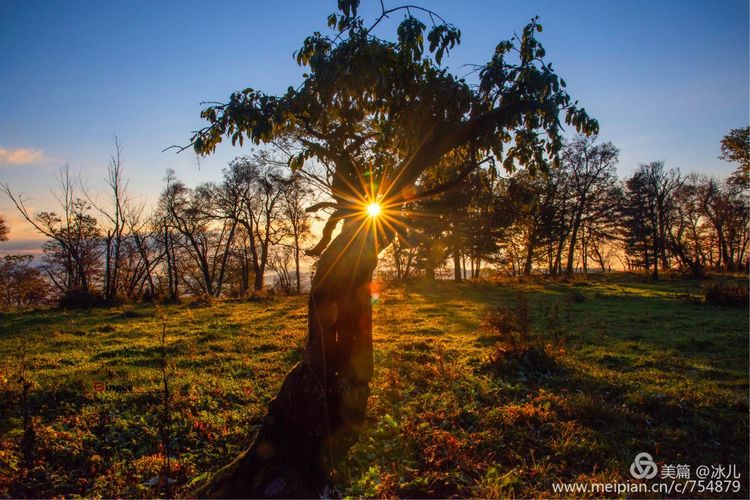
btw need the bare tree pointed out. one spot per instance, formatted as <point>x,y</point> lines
<point>72,252</point>
<point>190,213</point>
<point>251,196</point>
<point>295,197</point>
<point>404,254</point>
<point>279,261</point>
<point>143,235</point>
<point>113,211</point>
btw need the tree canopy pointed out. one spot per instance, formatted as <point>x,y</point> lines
<point>735,147</point>
<point>372,115</point>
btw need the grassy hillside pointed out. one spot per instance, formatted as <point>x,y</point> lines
<point>619,366</point>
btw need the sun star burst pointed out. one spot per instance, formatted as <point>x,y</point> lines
<point>373,209</point>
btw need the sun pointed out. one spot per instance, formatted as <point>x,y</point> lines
<point>373,209</point>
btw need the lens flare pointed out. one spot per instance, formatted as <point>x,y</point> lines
<point>373,209</point>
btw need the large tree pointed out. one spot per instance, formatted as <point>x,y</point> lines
<point>648,211</point>
<point>735,147</point>
<point>370,117</point>
<point>205,241</point>
<point>252,195</point>
<point>592,177</point>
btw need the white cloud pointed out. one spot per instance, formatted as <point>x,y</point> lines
<point>20,156</point>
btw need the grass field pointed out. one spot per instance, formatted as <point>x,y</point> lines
<point>628,365</point>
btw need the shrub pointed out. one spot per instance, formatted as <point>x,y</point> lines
<point>576,296</point>
<point>724,293</point>
<point>556,316</point>
<point>79,299</point>
<point>525,361</point>
<point>201,301</point>
<point>264,295</point>
<point>517,352</point>
<point>512,324</point>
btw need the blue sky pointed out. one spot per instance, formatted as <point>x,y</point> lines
<point>666,79</point>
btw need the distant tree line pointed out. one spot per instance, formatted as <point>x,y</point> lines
<point>579,217</point>
<point>216,239</point>
<point>227,237</point>
<point>21,285</point>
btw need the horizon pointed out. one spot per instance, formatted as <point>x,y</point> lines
<point>669,91</point>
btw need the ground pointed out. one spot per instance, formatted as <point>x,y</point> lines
<point>617,365</point>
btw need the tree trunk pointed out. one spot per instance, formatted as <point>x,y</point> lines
<point>296,262</point>
<point>107,267</point>
<point>529,255</point>
<point>409,259</point>
<point>584,251</point>
<point>225,259</point>
<point>725,256</point>
<point>429,263</point>
<point>260,268</point>
<point>572,246</point>
<point>655,246</point>
<point>558,254</point>
<point>316,416</point>
<point>550,259</point>
<point>456,264</point>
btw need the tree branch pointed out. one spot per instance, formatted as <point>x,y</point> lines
<point>468,168</point>
<point>443,141</point>
<point>321,205</point>
<point>325,239</point>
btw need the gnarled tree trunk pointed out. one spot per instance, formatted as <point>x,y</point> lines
<point>315,417</point>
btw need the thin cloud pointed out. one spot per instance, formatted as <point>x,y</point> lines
<point>20,156</point>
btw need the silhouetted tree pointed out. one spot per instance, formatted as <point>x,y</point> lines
<point>687,235</point>
<point>725,206</point>
<point>735,147</point>
<point>592,176</point>
<point>73,250</point>
<point>21,284</point>
<point>537,208</point>
<point>376,114</point>
<point>648,211</point>
<point>143,230</point>
<point>251,196</point>
<point>295,197</point>
<point>205,244</point>
<point>113,211</point>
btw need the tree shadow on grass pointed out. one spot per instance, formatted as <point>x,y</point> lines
<point>699,334</point>
<point>607,397</point>
<point>628,418</point>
